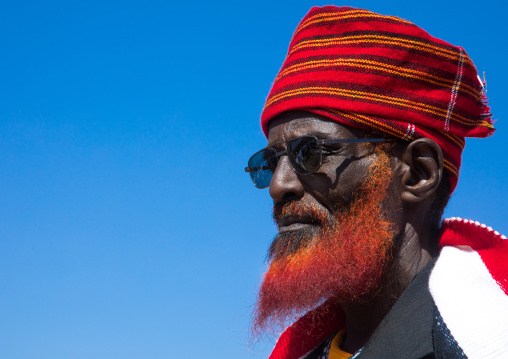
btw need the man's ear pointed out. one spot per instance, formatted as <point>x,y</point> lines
<point>423,169</point>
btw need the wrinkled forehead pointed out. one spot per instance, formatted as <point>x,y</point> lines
<point>295,124</point>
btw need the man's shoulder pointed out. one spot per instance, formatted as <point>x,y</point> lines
<point>457,307</point>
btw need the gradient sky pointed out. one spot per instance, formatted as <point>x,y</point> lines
<point>128,228</point>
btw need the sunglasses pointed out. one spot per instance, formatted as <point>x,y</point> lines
<point>304,153</point>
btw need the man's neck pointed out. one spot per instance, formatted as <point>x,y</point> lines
<point>363,318</point>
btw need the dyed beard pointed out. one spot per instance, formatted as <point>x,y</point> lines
<point>342,259</point>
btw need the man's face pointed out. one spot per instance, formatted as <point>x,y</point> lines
<point>334,238</point>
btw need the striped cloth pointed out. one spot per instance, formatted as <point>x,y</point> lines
<point>469,287</point>
<point>382,73</point>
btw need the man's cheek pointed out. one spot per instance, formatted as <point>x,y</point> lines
<point>338,190</point>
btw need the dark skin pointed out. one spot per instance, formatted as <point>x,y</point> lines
<point>417,172</point>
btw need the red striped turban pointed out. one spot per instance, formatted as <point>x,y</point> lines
<point>382,73</point>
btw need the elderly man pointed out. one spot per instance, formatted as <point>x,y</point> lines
<point>366,123</point>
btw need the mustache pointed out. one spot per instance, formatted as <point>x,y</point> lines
<point>297,211</point>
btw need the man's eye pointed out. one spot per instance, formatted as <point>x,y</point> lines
<point>336,150</point>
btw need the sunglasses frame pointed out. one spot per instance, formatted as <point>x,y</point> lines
<point>319,144</point>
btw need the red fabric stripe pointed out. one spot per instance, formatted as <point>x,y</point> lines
<point>308,332</point>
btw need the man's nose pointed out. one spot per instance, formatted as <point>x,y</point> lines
<point>285,185</point>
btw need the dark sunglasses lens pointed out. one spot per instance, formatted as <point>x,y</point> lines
<point>261,167</point>
<point>305,155</point>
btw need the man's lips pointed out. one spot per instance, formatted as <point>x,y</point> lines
<point>295,223</point>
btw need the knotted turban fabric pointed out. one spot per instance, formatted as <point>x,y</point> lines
<point>382,73</point>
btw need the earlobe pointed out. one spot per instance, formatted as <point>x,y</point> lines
<point>423,169</point>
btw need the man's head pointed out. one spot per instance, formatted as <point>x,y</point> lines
<point>338,226</point>
<point>368,211</point>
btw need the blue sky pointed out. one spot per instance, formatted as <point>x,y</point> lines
<point>128,228</point>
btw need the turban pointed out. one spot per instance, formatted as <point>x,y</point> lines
<point>384,74</point>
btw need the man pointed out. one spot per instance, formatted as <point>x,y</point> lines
<point>366,123</point>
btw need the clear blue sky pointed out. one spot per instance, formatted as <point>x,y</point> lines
<point>128,228</point>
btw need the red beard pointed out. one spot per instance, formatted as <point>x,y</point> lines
<point>344,259</point>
